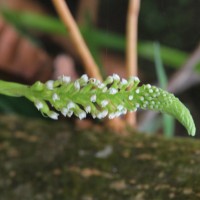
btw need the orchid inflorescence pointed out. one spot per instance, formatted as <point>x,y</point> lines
<point>112,98</point>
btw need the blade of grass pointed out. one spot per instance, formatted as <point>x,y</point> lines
<point>162,77</point>
<point>168,121</point>
<point>43,23</point>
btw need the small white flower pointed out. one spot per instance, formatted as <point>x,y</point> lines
<point>70,113</point>
<point>137,105</point>
<point>117,114</point>
<point>71,105</point>
<point>88,109</point>
<point>53,115</point>
<point>136,79</point>
<point>98,82</point>
<point>142,98</point>
<point>150,91</point>
<point>124,111</point>
<point>49,84</point>
<point>102,114</point>
<point>144,105</point>
<point>158,94</point>
<point>94,116</point>
<point>104,89</point>
<point>148,86</point>
<point>55,97</point>
<point>93,98</point>
<point>113,91</point>
<point>93,80</point>
<point>77,85</point>
<point>130,97</point>
<point>104,103</point>
<point>64,111</point>
<point>137,91</point>
<point>120,107</point>
<point>64,79</point>
<point>39,105</point>
<point>111,116</point>
<point>116,77</point>
<point>84,77</point>
<point>82,115</point>
<point>101,85</point>
<point>124,82</point>
<point>109,80</point>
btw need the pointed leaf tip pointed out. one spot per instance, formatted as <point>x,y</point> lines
<point>166,102</point>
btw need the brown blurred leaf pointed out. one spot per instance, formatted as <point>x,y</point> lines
<point>18,56</point>
<point>21,58</point>
<point>113,63</point>
<point>27,5</point>
<point>64,65</point>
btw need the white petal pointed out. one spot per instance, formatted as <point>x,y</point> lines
<point>71,105</point>
<point>104,103</point>
<point>82,115</point>
<point>84,77</point>
<point>116,77</point>
<point>49,84</point>
<point>113,91</point>
<point>39,105</point>
<point>53,115</point>
<point>137,91</point>
<point>88,109</point>
<point>130,97</point>
<point>55,97</point>
<point>93,98</point>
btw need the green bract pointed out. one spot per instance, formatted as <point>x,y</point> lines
<point>111,98</point>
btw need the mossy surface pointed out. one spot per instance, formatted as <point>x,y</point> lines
<point>53,160</point>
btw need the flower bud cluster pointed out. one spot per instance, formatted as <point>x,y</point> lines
<point>111,98</point>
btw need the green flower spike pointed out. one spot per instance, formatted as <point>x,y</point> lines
<point>111,98</point>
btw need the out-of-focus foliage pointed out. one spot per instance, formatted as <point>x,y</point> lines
<point>99,38</point>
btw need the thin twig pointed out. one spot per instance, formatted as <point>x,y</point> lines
<point>90,66</point>
<point>89,63</point>
<point>186,76</point>
<point>131,48</point>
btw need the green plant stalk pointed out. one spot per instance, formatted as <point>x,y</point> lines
<point>13,89</point>
<point>110,98</point>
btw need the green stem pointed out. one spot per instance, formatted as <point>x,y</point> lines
<point>13,89</point>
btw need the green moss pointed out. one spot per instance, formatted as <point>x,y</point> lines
<point>45,160</point>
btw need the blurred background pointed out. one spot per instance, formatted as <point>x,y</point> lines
<point>34,46</point>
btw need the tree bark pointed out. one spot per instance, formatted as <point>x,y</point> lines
<point>54,160</point>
